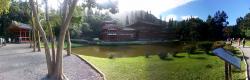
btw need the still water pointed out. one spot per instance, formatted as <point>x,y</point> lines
<point>126,50</point>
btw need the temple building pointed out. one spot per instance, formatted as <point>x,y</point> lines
<point>146,31</point>
<point>20,31</point>
<point>138,31</point>
<point>112,32</point>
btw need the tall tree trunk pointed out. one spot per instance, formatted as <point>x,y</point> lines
<point>64,28</point>
<point>50,33</point>
<point>57,69</point>
<point>30,39</point>
<point>68,43</point>
<point>44,38</point>
<point>33,34</point>
<point>38,40</point>
<point>38,35</point>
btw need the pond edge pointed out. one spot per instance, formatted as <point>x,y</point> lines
<point>92,66</point>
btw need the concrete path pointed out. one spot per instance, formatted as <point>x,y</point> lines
<point>18,62</point>
<point>246,51</point>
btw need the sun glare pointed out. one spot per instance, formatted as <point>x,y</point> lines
<point>101,1</point>
<point>155,6</point>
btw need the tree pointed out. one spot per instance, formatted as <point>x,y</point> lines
<point>241,27</point>
<point>51,35</point>
<point>37,32</point>
<point>4,6</point>
<point>240,22</point>
<point>55,71</point>
<point>63,30</point>
<point>18,11</point>
<point>111,6</point>
<point>227,31</point>
<point>127,20</point>
<point>76,24</point>
<point>219,22</point>
<point>243,24</point>
<point>95,20</point>
<point>44,38</point>
<point>189,29</point>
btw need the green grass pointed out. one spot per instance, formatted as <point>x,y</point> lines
<point>184,68</point>
<point>247,43</point>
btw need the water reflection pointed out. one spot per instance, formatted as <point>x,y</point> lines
<point>126,50</point>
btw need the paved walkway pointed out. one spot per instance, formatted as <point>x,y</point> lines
<point>18,62</point>
<point>246,51</point>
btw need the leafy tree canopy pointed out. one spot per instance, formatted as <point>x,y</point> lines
<point>4,6</point>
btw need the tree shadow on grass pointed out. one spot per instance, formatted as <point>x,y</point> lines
<point>168,59</point>
<point>241,79</point>
<point>198,52</point>
<point>200,58</point>
<point>179,56</point>
<point>238,71</point>
<point>211,54</point>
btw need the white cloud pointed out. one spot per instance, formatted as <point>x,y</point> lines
<point>188,17</point>
<point>155,6</point>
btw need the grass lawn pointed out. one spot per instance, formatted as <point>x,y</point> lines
<point>247,42</point>
<point>198,67</point>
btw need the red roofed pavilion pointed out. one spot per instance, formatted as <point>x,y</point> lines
<point>21,31</point>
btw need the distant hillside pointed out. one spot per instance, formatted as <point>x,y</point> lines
<point>134,16</point>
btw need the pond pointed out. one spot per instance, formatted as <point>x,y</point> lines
<point>127,50</point>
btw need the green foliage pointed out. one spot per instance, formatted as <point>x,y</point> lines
<point>209,66</point>
<point>111,56</point>
<point>206,46</point>
<point>18,11</point>
<point>4,6</point>
<point>218,44</point>
<point>162,55</point>
<point>243,23</point>
<point>175,54</point>
<point>111,6</point>
<point>195,29</point>
<point>147,54</point>
<point>190,49</point>
<point>230,48</point>
<point>95,23</point>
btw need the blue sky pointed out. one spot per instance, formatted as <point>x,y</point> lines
<point>203,8</point>
<point>181,9</point>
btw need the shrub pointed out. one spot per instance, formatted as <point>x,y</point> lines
<point>162,55</point>
<point>230,48</point>
<point>189,49</point>
<point>206,46</point>
<point>147,54</point>
<point>175,54</point>
<point>111,56</point>
<point>218,44</point>
<point>209,66</point>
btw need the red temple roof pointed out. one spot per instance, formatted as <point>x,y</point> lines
<point>18,25</point>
